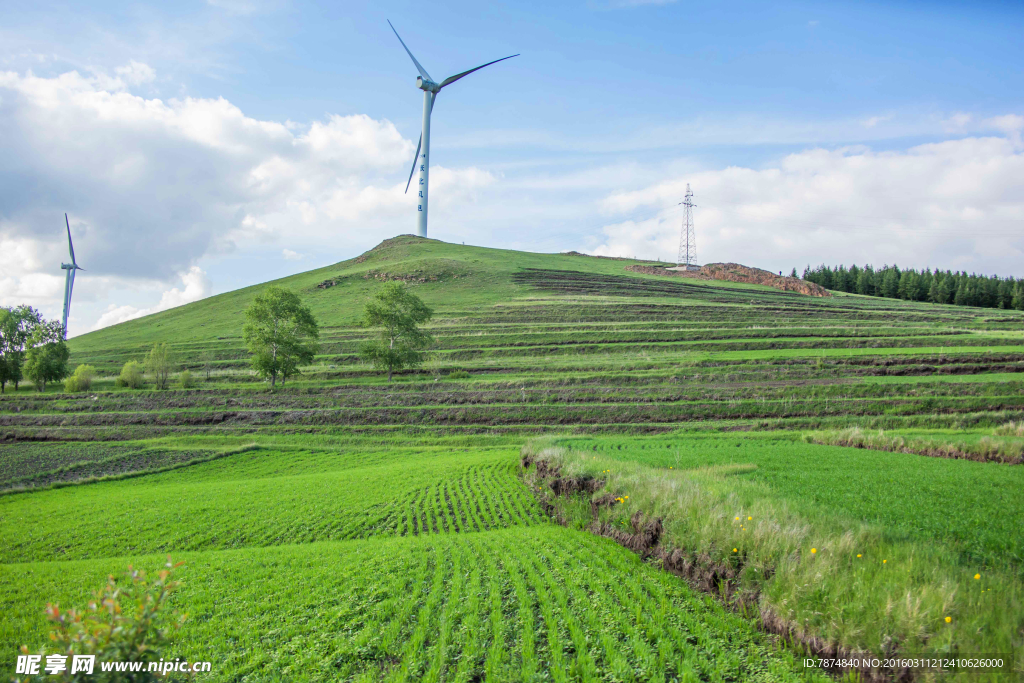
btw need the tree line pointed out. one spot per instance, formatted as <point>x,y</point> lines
<point>940,287</point>
<point>280,332</point>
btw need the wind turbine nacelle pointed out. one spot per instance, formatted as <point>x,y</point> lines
<point>67,266</point>
<point>429,86</point>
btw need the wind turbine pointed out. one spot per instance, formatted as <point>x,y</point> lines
<point>69,278</point>
<point>430,90</point>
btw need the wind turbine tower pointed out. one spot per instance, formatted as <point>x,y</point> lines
<point>69,278</point>
<point>422,161</point>
<point>687,239</point>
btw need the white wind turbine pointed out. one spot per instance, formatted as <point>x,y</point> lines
<point>69,278</point>
<point>430,89</point>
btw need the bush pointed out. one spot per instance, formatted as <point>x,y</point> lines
<point>185,380</point>
<point>131,375</point>
<point>81,380</point>
<point>128,620</point>
<point>458,374</point>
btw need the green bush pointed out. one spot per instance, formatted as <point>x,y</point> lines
<point>185,380</point>
<point>131,375</point>
<point>458,374</point>
<point>127,620</point>
<point>81,380</point>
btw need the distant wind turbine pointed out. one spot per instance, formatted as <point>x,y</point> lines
<point>430,89</point>
<point>69,278</point>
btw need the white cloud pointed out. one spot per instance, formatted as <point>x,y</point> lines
<point>135,73</point>
<point>290,255</point>
<point>152,186</point>
<point>197,286</point>
<point>954,204</point>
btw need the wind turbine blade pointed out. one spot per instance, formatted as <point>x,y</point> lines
<point>71,288</point>
<point>71,247</point>
<point>415,158</point>
<point>419,67</point>
<point>452,79</point>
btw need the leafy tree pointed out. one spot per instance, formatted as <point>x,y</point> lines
<point>46,359</point>
<point>1018,296</point>
<point>281,334</point>
<point>158,364</point>
<point>81,379</point>
<point>131,376</point>
<point>16,327</point>
<point>397,312</point>
<point>185,379</point>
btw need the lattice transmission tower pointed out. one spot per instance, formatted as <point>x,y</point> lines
<point>687,238</point>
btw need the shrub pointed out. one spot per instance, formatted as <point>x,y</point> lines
<point>128,620</point>
<point>185,380</point>
<point>81,380</point>
<point>459,374</point>
<point>131,375</point>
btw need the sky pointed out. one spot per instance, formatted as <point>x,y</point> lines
<point>202,146</point>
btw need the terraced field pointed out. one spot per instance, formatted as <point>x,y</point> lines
<point>344,528</point>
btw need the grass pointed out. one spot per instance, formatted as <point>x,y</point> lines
<point>508,605</point>
<point>383,531</point>
<point>1003,444</point>
<point>817,563</point>
<point>266,497</point>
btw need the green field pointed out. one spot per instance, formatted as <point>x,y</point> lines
<point>344,528</point>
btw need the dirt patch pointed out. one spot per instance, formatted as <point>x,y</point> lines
<point>734,272</point>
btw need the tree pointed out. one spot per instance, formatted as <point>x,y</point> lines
<point>865,281</point>
<point>16,327</point>
<point>891,282</point>
<point>397,312</point>
<point>158,364</point>
<point>281,334</point>
<point>793,274</point>
<point>46,359</point>
<point>208,358</point>
<point>1018,296</point>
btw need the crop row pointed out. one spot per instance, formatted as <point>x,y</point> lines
<point>523,604</point>
<point>181,510</point>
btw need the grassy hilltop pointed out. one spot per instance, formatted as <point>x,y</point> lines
<point>832,472</point>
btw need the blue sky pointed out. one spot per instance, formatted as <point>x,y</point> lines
<point>203,146</point>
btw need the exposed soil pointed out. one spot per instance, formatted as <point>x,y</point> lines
<point>734,272</point>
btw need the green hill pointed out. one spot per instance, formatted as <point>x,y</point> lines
<point>776,450</point>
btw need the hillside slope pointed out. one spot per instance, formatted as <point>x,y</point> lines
<point>447,276</point>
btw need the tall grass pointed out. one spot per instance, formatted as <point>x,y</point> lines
<point>985,449</point>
